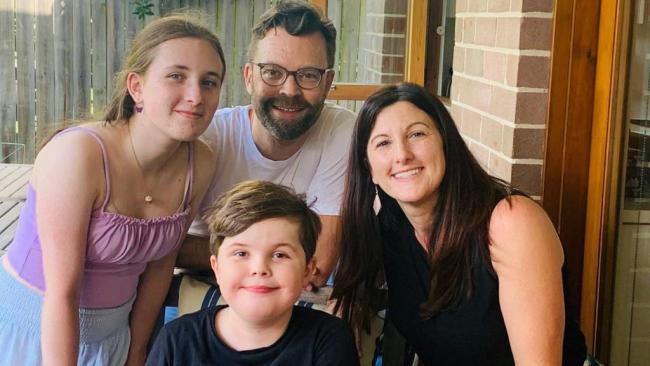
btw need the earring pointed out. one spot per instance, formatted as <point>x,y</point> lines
<point>138,108</point>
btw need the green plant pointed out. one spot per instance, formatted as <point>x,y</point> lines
<point>142,8</point>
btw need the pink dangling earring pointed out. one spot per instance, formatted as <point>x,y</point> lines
<point>138,108</point>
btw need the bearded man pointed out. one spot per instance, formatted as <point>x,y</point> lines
<point>289,135</point>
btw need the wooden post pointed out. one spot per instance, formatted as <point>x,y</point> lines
<point>416,41</point>
<point>321,4</point>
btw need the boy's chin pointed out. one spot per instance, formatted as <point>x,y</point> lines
<point>263,315</point>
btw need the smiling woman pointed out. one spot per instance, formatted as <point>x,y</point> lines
<point>471,265</point>
<point>91,258</point>
<point>406,156</point>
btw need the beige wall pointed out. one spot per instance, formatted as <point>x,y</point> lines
<point>500,85</point>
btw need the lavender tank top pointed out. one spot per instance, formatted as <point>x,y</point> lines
<point>118,247</point>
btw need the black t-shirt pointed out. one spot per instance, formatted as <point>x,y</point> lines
<point>312,338</point>
<point>473,333</point>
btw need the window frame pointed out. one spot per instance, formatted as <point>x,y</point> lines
<point>414,67</point>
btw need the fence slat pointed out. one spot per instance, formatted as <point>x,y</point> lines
<point>45,121</point>
<point>25,79</point>
<point>81,69</point>
<point>7,78</point>
<point>115,45</point>
<point>62,60</point>
<point>101,76</point>
<point>211,16</point>
<point>227,30</point>
<point>243,23</point>
<point>167,6</point>
<point>133,24</point>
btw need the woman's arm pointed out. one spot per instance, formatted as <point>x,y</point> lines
<point>527,256</point>
<point>154,282</point>
<point>66,181</point>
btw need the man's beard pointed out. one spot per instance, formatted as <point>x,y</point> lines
<point>287,129</point>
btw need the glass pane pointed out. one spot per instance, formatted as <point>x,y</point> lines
<point>371,40</point>
<point>448,29</point>
<point>631,309</point>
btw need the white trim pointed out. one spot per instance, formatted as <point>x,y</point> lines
<point>516,89</point>
<point>505,122</point>
<point>382,54</point>
<point>387,35</point>
<point>386,15</point>
<point>532,14</point>
<point>507,51</point>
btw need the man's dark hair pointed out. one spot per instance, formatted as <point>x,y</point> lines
<point>297,18</point>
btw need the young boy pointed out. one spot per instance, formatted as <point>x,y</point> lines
<point>263,237</point>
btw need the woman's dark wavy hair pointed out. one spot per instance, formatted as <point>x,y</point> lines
<point>466,197</point>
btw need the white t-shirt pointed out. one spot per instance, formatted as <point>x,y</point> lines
<point>318,169</point>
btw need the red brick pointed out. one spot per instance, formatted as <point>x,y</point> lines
<point>531,108</point>
<point>536,34</point>
<point>528,178</point>
<point>499,167</point>
<point>469,28</point>
<point>477,6</point>
<point>459,59</point>
<point>504,103</point>
<point>497,6</point>
<point>491,133</point>
<point>537,6</point>
<point>533,72</point>
<point>507,138</point>
<point>475,94</point>
<point>481,154</point>
<point>395,6</point>
<point>391,79</point>
<point>456,112</point>
<point>461,6</point>
<point>512,70</point>
<point>471,124</point>
<point>529,143</point>
<point>382,24</point>
<point>508,30</point>
<point>485,33</point>
<point>495,66</point>
<point>382,44</point>
<point>458,36</point>
<point>516,5</point>
<point>474,62</point>
<point>457,84</point>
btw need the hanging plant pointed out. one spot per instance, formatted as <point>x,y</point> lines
<point>142,8</point>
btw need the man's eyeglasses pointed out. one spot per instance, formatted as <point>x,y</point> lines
<point>276,75</point>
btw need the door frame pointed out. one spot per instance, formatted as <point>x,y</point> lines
<point>585,124</point>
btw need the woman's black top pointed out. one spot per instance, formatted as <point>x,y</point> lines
<point>473,333</point>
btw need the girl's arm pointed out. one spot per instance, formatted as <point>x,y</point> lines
<point>154,282</point>
<point>527,256</point>
<point>67,174</point>
<point>152,290</point>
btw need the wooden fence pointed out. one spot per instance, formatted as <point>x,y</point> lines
<point>57,57</point>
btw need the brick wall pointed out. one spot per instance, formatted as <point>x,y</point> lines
<point>384,41</point>
<point>500,85</point>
